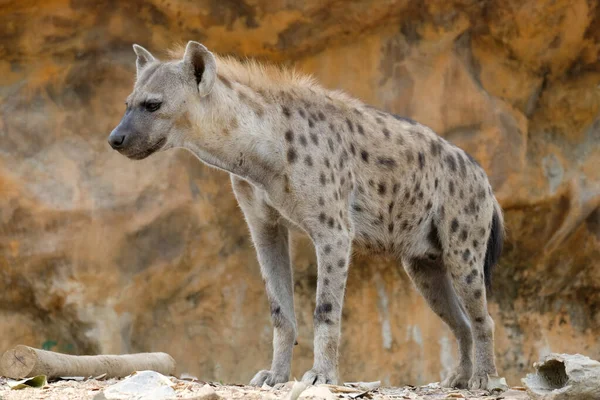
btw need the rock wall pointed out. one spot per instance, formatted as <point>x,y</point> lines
<point>100,254</point>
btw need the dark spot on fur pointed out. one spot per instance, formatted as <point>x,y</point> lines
<point>451,187</point>
<point>350,125</point>
<point>387,162</point>
<point>311,123</point>
<point>327,164</point>
<point>381,189</point>
<point>330,222</point>
<point>322,179</point>
<point>386,133</point>
<point>275,309</point>
<point>289,136</point>
<point>352,149</point>
<point>471,276</point>
<point>357,207</point>
<point>327,249</point>
<point>322,218</point>
<point>463,167</point>
<point>436,182</point>
<point>451,162</point>
<point>435,148</point>
<point>475,243</point>
<point>481,194</point>
<point>454,225</point>
<point>302,113</point>
<point>364,155</point>
<point>471,208</point>
<point>390,207</point>
<point>303,140</point>
<point>477,294</point>
<point>321,116</point>
<point>360,129</point>
<point>463,235</point>
<point>330,143</point>
<point>321,201</point>
<point>479,320</point>
<point>429,205</point>
<point>321,313</point>
<point>308,161</point>
<point>409,157</point>
<point>341,263</point>
<point>314,138</point>
<point>421,160</point>
<point>466,254</point>
<point>395,188</point>
<point>291,155</point>
<point>326,281</point>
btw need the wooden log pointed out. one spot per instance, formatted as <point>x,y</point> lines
<point>24,362</point>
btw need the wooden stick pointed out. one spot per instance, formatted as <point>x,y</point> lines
<point>25,362</point>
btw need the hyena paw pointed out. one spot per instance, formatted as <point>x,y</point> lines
<point>269,377</point>
<point>313,377</point>
<point>458,378</point>
<point>478,381</point>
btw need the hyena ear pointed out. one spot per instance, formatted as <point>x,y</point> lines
<point>200,64</point>
<point>143,57</point>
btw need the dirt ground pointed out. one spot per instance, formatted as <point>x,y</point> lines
<point>189,389</point>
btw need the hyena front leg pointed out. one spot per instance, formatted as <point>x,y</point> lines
<point>271,241</point>
<point>333,256</point>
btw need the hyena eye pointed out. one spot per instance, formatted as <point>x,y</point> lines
<point>152,106</point>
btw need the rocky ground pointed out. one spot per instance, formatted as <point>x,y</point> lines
<point>191,389</point>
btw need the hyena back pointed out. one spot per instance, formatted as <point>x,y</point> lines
<point>348,175</point>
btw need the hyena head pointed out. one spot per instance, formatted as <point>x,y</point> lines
<point>166,98</point>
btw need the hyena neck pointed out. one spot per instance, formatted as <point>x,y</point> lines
<point>240,138</point>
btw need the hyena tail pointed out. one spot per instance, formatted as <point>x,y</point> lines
<point>494,246</point>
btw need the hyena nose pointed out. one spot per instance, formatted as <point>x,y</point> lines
<point>116,140</point>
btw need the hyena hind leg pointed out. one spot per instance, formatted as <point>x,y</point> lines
<point>433,282</point>
<point>469,284</point>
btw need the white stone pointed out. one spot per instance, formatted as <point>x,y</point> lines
<point>564,376</point>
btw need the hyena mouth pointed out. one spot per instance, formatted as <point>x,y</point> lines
<point>145,153</point>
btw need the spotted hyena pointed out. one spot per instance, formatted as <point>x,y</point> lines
<point>347,174</point>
